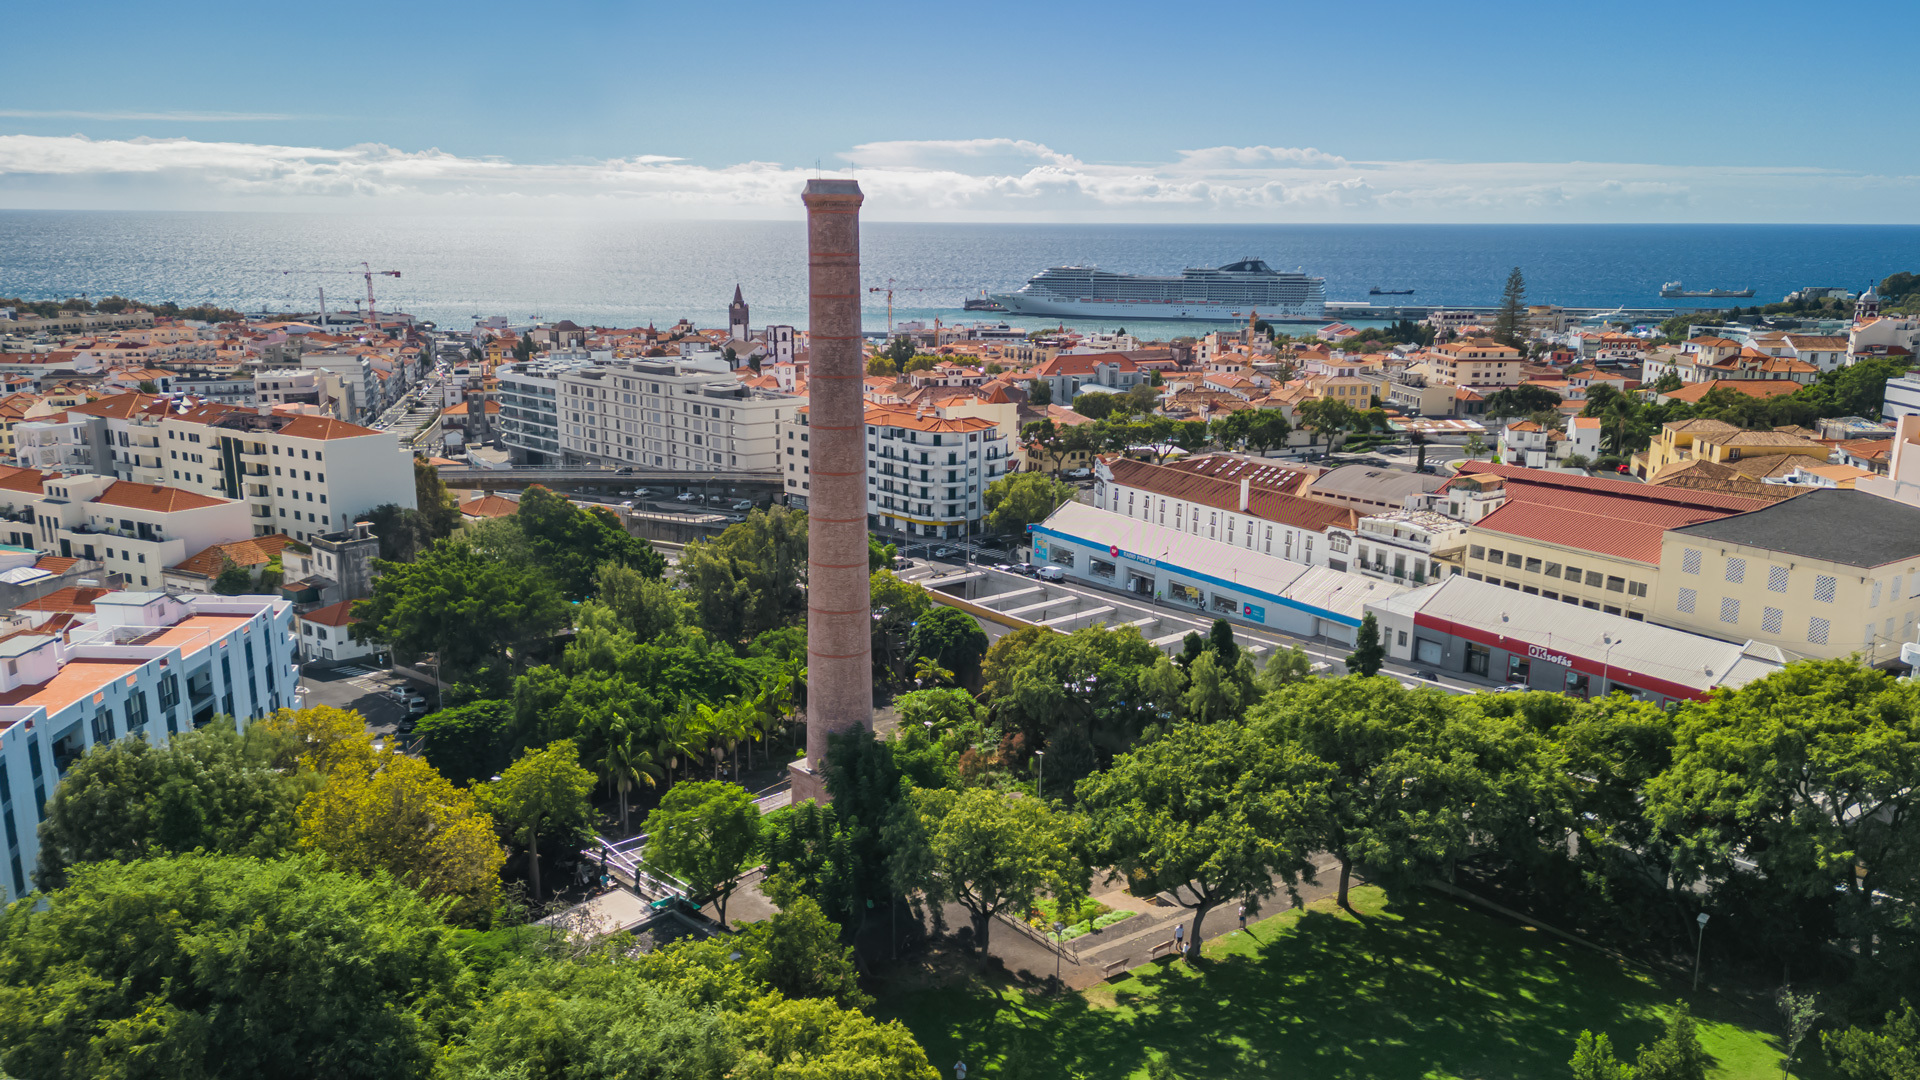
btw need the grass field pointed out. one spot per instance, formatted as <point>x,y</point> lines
<point>1420,989</point>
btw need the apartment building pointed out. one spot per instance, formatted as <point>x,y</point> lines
<point>927,475</point>
<point>1406,547</point>
<point>134,663</point>
<point>687,415</point>
<point>1720,442</point>
<point>134,530</point>
<point>1250,507</point>
<point>1476,363</point>
<point>1828,573</point>
<point>290,386</point>
<point>301,475</point>
<point>529,398</point>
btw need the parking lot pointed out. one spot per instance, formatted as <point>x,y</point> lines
<point>361,687</point>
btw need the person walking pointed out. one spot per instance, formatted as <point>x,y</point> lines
<point>959,1070</point>
<point>1243,916</point>
<point>1179,937</point>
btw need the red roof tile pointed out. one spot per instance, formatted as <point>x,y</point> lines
<point>70,599</point>
<point>339,614</point>
<point>156,497</point>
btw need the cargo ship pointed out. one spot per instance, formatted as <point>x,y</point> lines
<point>1222,294</point>
<point>1378,291</point>
<point>1675,289</point>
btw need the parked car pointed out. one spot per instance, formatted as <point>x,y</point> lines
<point>417,707</point>
<point>687,496</point>
<point>624,471</point>
<point>628,505</point>
<point>1512,688</point>
<point>643,493</point>
<point>1050,573</point>
<point>716,499</point>
<point>1077,474</point>
<point>1430,676</point>
<point>902,564</point>
<point>944,553</point>
<point>743,505</point>
<point>1025,568</point>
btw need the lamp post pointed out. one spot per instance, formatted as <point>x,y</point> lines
<point>1700,940</point>
<point>1057,928</point>
<point>1041,789</point>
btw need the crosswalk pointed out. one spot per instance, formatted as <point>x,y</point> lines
<point>358,669</point>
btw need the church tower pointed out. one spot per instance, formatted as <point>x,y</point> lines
<point>1868,306</point>
<point>737,317</point>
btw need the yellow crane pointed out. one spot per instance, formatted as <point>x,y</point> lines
<point>890,288</point>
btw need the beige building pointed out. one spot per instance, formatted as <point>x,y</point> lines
<point>1718,441</point>
<point>1829,573</point>
<point>689,415</point>
<point>1476,362</point>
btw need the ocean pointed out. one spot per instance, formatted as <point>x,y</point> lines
<point>625,273</point>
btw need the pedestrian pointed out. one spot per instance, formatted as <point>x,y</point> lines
<point>1243,916</point>
<point>959,1070</point>
<point>1179,936</point>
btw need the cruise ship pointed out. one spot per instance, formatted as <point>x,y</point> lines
<point>1228,294</point>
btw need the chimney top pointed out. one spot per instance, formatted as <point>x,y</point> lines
<point>833,187</point>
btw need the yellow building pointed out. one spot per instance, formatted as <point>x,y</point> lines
<point>1476,363</point>
<point>1718,441</point>
<point>1829,573</point>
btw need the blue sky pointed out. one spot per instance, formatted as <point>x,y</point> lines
<point>1117,111</point>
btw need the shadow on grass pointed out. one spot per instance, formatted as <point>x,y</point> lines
<point>1426,988</point>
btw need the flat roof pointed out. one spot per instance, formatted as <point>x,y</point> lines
<point>1854,528</point>
<point>1331,594</point>
<point>74,681</point>
<point>196,632</point>
<point>1597,640</point>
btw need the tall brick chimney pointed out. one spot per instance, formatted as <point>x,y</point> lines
<point>839,606</point>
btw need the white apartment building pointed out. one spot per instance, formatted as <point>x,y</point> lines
<point>289,386</point>
<point>685,415</point>
<point>1246,504</point>
<point>302,475</point>
<point>927,475</point>
<point>140,663</point>
<point>134,530</point>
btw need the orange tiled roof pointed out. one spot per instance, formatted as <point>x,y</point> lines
<point>73,599</point>
<point>257,551</point>
<point>156,497</point>
<point>339,614</point>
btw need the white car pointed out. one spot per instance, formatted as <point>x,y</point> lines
<point>1050,573</point>
<point>687,496</point>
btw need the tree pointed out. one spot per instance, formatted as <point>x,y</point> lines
<point>1020,499</point>
<point>810,853</point>
<point>224,967</point>
<point>465,609</point>
<point>1220,640</point>
<point>1208,814</point>
<point>881,365</point>
<point>1800,1016</point>
<point>1191,435</point>
<point>1667,383</point>
<point>953,639</point>
<point>233,580</point>
<point>798,951</point>
<point>1368,653</point>
<point>1521,400</point>
<point>470,742</point>
<point>626,746</point>
<point>404,819</point>
<point>1676,1054</point>
<point>987,851</point>
<point>1094,405</point>
<point>900,350</point>
<point>1593,1059</point>
<point>1330,417</point>
<point>646,605</point>
<point>1395,795</point>
<point>1813,773</point>
<point>1218,689</point>
<point>747,580</point>
<point>920,363</point>
<point>1267,429</point>
<point>212,788</point>
<point>1039,393</point>
<point>702,832</point>
<point>1475,446</point>
<point>546,791</point>
<point>1891,1053</point>
<point>1094,690</point>
<point>1284,668</point>
<point>571,544</point>
<point>439,514</point>
<point>1510,325</point>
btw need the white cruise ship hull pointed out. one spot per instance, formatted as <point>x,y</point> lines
<point>1163,310</point>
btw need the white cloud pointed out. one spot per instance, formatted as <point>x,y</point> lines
<point>936,179</point>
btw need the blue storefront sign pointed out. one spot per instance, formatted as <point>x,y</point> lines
<point>1257,614</point>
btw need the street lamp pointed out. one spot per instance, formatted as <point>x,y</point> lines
<point>1041,790</point>
<point>1700,940</point>
<point>1058,926</point>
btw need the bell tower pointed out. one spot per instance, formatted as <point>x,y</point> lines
<point>737,317</point>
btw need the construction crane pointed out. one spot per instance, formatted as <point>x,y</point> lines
<point>890,289</point>
<point>366,271</point>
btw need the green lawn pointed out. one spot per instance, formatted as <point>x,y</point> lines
<point>1427,988</point>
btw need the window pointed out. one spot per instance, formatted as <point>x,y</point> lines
<point>1573,574</point>
<point>1616,584</point>
<point>1873,599</point>
<point>1494,555</point>
<point>1513,559</point>
<point>1553,569</point>
<point>1637,588</point>
<point>1770,620</point>
<point>1686,601</point>
<point>1823,590</point>
<point>1689,561</point>
<point>1476,551</point>
<point>1533,566</point>
<point>1729,609</point>
<point>1817,631</point>
<point>1594,579</point>
<point>1737,571</point>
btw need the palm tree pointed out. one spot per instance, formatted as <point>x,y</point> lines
<point>630,759</point>
<point>1618,415</point>
<point>928,674</point>
<point>678,740</point>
